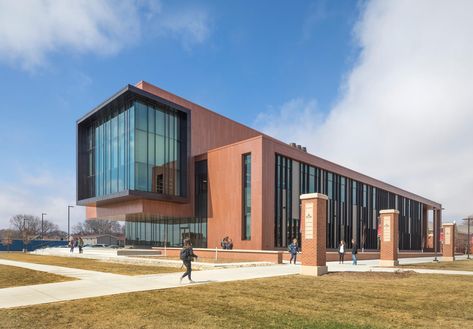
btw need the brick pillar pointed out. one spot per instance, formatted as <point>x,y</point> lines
<point>448,242</point>
<point>389,237</point>
<point>314,234</point>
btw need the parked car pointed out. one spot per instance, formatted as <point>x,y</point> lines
<point>100,245</point>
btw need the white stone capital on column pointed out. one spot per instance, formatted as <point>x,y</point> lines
<point>313,196</point>
<point>389,211</point>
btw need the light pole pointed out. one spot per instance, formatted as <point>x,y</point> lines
<point>42,225</point>
<point>69,222</point>
<point>435,241</point>
<point>25,235</point>
<point>436,230</point>
<point>468,236</point>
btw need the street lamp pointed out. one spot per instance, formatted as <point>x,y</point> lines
<point>25,237</point>
<point>436,241</point>
<point>469,246</point>
<point>69,222</point>
<point>42,225</point>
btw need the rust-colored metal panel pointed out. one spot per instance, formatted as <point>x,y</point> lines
<point>225,182</point>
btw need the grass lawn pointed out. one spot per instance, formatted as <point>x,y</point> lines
<point>12,276</point>
<point>88,264</point>
<point>341,300</point>
<point>459,265</point>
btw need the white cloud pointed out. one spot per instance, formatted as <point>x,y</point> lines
<point>307,119</point>
<point>32,31</point>
<point>406,108</point>
<point>189,25</point>
<point>37,192</point>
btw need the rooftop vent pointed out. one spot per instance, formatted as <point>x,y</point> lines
<point>299,147</point>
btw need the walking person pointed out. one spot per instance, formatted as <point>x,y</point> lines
<point>354,251</point>
<point>187,256</point>
<point>293,249</point>
<point>72,244</point>
<point>341,252</point>
<point>80,244</point>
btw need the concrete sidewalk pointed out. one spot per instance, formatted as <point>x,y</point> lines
<point>95,284</point>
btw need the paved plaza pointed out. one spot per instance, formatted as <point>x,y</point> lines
<point>95,284</point>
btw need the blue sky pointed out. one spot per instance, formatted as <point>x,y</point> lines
<point>258,62</point>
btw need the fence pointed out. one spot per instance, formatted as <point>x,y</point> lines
<point>18,245</point>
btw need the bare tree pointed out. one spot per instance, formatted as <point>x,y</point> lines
<point>28,226</point>
<point>98,227</point>
<point>7,238</point>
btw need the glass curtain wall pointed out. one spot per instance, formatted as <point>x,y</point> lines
<point>157,147</point>
<point>135,146</point>
<point>166,231</point>
<point>110,154</point>
<point>352,210</point>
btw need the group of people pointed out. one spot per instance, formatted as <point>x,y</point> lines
<point>76,243</point>
<point>187,253</point>
<point>226,243</point>
<point>294,249</point>
<point>354,252</point>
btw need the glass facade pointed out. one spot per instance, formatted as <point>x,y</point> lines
<point>352,210</point>
<point>166,231</point>
<point>246,225</point>
<point>135,145</point>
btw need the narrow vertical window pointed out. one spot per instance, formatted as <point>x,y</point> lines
<point>246,231</point>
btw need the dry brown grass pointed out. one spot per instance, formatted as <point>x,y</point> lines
<point>345,300</point>
<point>12,276</point>
<point>459,265</point>
<point>89,264</point>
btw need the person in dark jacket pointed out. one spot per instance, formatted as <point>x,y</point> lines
<point>187,256</point>
<point>354,251</point>
<point>293,249</point>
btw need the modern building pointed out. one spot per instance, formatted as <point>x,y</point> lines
<point>170,169</point>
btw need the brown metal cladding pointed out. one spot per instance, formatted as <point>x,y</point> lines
<point>225,194</point>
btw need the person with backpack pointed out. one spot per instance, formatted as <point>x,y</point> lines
<point>293,249</point>
<point>187,256</point>
<point>354,251</point>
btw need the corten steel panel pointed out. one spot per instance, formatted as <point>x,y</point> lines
<point>208,130</point>
<point>225,188</point>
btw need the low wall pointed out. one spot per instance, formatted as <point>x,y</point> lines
<point>234,254</point>
<point>18,245</point>
<point>138,252</point>
<point>332,256</point>
<point>272,256</point>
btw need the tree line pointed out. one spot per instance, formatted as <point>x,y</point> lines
<point>27,227</point>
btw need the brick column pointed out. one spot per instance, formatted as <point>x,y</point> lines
<point>448,254</point>
<point>314,234</point>
<point>389,237</point>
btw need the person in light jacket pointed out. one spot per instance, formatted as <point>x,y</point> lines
<point>341,252</point>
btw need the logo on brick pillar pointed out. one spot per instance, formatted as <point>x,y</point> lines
<point>387,229</point>
<point>309,221</point>
<point>448,236</point>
